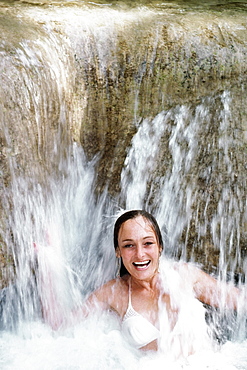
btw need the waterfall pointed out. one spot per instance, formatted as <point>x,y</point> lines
<point>105,108</point>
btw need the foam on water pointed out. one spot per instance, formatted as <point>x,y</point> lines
<point>95,344</point>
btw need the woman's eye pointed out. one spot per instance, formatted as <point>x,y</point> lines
<point>148,243</point>
<point>128,246</point>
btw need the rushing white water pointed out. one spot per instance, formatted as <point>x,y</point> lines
<point>185,165</point>
<point>93,345</point>
<point>141,159</point>
<point>69,232</point>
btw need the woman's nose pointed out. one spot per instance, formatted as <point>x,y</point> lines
<point>140,251</point>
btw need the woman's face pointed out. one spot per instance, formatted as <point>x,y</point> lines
<point>138,246</point>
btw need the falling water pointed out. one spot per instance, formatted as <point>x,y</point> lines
<point>184,160</point>
<point>69,231</point>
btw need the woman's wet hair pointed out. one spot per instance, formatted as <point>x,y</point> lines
<point>129,215</point>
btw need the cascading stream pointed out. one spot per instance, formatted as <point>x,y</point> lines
<point>75,255</point>
<point>100,111</point>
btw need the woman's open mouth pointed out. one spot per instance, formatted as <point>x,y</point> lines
<point>142,265</point>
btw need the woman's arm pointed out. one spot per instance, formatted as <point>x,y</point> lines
<point>213,292</point>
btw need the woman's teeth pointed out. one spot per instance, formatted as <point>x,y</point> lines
<point>141,264</point>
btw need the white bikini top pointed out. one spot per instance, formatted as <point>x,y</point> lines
<point>138,330</point>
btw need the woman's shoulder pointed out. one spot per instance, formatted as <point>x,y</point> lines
<point>113,292</point>
<point>180,266</point>
<point>117,283</point>
<point>178,275</point>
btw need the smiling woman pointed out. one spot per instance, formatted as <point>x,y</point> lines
<point>147,290</point>
<point>127,226</point>
<point>139,247</point>
<point>159,302</point>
